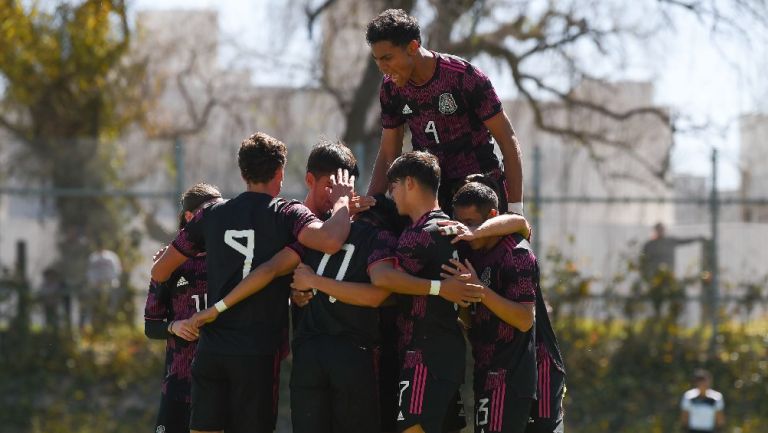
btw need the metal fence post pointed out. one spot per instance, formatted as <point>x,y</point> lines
<point>536,202</point>
<point>178,158</point>
<point>714,290</point>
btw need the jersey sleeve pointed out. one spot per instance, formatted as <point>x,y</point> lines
<point>383,247</point>
<point>391,112</point>
<point>156,310</point>
<point>520,276</point>
<point>480,94</point>
<point>720,403</point>
<point>685,404</point>
<point>190,240</point>
<point>297,216</point>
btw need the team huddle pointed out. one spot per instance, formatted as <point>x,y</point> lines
<point>375,293</point>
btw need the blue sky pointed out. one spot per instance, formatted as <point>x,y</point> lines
<point>711,80</point>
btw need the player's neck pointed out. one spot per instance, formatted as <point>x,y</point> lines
<point>422,206</point>
<point>426,62</point>
<point>309,202</point>
<point>264,188</point>
<point>489,243</point>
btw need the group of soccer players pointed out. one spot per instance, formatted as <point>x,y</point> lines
<point>383,286</point>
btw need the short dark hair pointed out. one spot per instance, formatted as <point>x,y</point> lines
<point>195,197</point>
<point>260,156</point>
<point>395,26</point>
<point>422,166</point>
<point>701,374</point>
<point>476,194</point>
<point>384,215</point>
<point>328,156</point>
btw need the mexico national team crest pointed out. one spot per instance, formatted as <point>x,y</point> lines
<point>447,104</point>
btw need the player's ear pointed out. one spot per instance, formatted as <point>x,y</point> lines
<point>309,179</point>
<point>188,216</point>
<point>412,47</point>
<point>409,183</point>
<point>492,213</point>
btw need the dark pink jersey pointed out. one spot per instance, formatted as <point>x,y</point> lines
<point>184,294</point>
<point>446,115</point>
<point>509,269</point>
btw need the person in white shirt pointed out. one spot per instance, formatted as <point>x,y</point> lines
<point>702,407</point>
<point>103,281</point>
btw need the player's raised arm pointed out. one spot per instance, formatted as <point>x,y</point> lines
<point>499,225</point>
<point>501,129</point>
<point>168,262</point>
<point>390,148</point>
<point>330,235</point>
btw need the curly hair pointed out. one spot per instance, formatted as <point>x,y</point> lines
<point>395,26</point>
<point>260,156</point>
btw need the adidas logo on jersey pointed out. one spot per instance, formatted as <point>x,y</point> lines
<point>182,282</point>
<point>407,109</point>
<point>400,416</point>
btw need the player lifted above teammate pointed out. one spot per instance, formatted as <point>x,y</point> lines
<point>451,109</point>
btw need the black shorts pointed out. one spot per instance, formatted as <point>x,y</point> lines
<point>547,412</point>
<point>333,387</point>
<point>388,367</point>
<point>456,418</point>
<point>498,412</point>
<point>173,416</point>
<point>425,399</point>
<point>234,393</point>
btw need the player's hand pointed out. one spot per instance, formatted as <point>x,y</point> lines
<point>159,253</point>
<point>202,317</point>
<point>185,329</point>
<point>464,271</point>
<point>342,185</point>
<point>459,291</point>
<point>303,277</point>
<point>300,298</point>
<point>459,231</point>
<point>361,203</point>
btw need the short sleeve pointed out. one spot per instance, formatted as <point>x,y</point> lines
<point>720,404</point>
<point>391,112</point>
<point>298,248</point>
<point>480,94</point>
<point>190,241</point>
<point>156,307</point>
<point>685,404</point>
<point>297,217</point>
<point>520,276</point>
<point>383,247</point>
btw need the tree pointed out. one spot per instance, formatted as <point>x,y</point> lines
<point>68,93</point>
<point>547,48</point>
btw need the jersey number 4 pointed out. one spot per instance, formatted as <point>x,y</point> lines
<point>348,249</point>
<point>433,129</point>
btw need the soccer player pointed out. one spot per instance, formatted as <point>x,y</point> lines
<point>168,305</point>
<point>450,107</point>
<point>501,332</point>
<point>702,408</point>
<point>234,374</point>
<point>504,343</point>
<point>431,343</point>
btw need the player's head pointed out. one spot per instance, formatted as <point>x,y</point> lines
<point>193,198</point>
<point>325,159</point>
<point>395,39</point>
<point>384,215</point>
<point>702,379</point>
<point>659,230</point>
<point>473,204</point>
<point>261,159</point>
<point>414,178</point>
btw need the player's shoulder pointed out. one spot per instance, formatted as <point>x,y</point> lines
<point>691,394</point>
<point>193,267</point>
<point>455,63</point>
<point>516,242</point>
<point>714,395</point>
